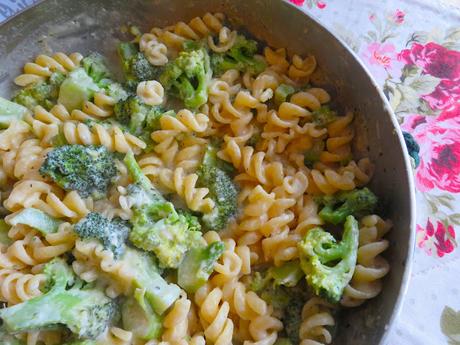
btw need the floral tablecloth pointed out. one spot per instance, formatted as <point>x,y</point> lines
<point>412,48</point>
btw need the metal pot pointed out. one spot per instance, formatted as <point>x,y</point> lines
<point>94,25</point>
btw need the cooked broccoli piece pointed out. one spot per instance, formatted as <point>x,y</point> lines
<point>42,93</point>
<point>357,202</point>
<point>312,155</point>
<point>292,316</point>
<point>187,77</point>
<point>197,266</point>
<point>328,264</point>
<point>140,319</point>
<point>10,111</point>
<point>282,93</point>
<point>77,88</point>
<point>192,221</point>
<point>85,312</point>
<point>4,228</point>
<point>140,119</point>
<point>95,67</point>
<point>115,90</point>
<point>135,65</point>
<point>150,287</point>
<point>36,219</point>
<point>213,174</point>
<point>87,169</point>
<point>240,57</point>
<point>111,233</point>
<point>283,341</point>
<point>323,116</point>
<point>157,226</point>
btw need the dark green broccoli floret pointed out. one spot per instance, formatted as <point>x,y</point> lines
<point>95,67</point>
<point>312,155</point>
<point>282,93</point>
<point>240,57</point>
<point>357,202</point>
<point>42,93</point>
<point>10,111</point>
<point>111,233</point>
<point>187,77</point>
<point>139,318</point>
<point>86,169</point>
<point>323,116</point>
<point>135,65</point>
<point>213,175</point>
<point>157,226</point>
<point>85,312</point>
<point>140,119</point>
<point>197,266</point>
<point>328,264</point>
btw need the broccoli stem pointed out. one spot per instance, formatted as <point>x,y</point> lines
<point>135,171</point>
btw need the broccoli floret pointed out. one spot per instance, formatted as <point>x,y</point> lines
<point>357,202</point>
<point>140,119</point>
<point>95,67</point>
<point>42,93</point>
<point>76,89</point>
<point>193,223</point>
<point>86,169</point>
<point>135,65</point>
<point>139,318</point>
<point>197,266</point>
<point>10,111</point>
<point>213,174</point>
<point>328,264</point>
<point>240,57</point>
<point>85,312</point>
<point>282,93</point>
<point>150,287</point>
<point>323,116</point>
<point>111,233</point>
<point>188,76</point>
<point>312,155</point>
<point>157,226</point>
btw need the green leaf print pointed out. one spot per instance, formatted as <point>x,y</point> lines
<point>450,325</point>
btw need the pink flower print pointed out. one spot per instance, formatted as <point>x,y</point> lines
<point>439,140</point>
<point>382,60</point>
<point>372,17</point>
<point>446,95</point>
<point>297,2</point>
<point>398,17</point>
<point>321,5</point>
<point>441,241</point>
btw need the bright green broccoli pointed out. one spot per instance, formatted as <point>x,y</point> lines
<point>187,77</point>
<point>10,111</point>
<point>312,155</point>
<point>240,57</point>
<point>157,226</point>
<point>197,266</point>
<point>135,65</point>
<point>328,264</point>
<point>111,233</point>
<point>282,93</point>
<point>86,169</point>
<point>323,116</point>
<point>36,219</point>
<point>95,66</point>
<point>140,119</point>
<point>139,318</point>
<point>213,173</point>
<point>149,286</point>
<point>66,302</point>
<point>43,93</point>
<point>357,202</point>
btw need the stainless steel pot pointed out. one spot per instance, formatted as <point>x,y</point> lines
<point>94,25</point>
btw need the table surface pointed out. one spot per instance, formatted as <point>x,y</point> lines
<point>412,48</point>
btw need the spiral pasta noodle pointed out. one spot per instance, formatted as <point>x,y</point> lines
<point>101,107</point>
<point>338,144</point>
<point>115,336</point>
<point>316,316</point>
<point>155,51</point>
<point>150,92</point>
<point>371,266</point>
<point>45,65</point>
<point>45,124</point>
<point>175,322</point>
<point>112,137</point>
<point>17,286</point>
